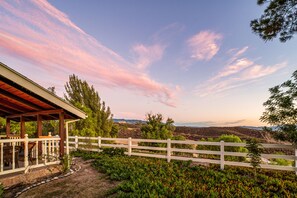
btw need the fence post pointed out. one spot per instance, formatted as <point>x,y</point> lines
<point>222,155</point>
<point>76,142</point>
<point>99,143</point>
<point>26,154</point>
<point>129,146</point>
<point>168,150</point>
<point>296,161</point>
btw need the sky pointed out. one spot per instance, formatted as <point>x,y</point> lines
<point>197,62</point>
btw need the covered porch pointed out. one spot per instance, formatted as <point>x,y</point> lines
<point>21,101</point>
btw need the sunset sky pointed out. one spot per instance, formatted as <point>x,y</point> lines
<point>197,62</point>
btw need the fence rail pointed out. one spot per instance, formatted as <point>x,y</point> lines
<point>22,154</point>
<point>170,149</point>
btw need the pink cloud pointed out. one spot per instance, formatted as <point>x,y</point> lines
<point>238,72</point>
<point>39,33</point>
<point>146,55</point>
<point>204,45</point>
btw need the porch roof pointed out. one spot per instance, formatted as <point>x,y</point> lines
<point>20,96</point>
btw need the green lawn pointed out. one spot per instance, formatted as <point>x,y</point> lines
<point>146,177</point>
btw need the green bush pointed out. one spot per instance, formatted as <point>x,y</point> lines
<point>281,162</point>
<point>225,138</point>
<point>113,151</point>
<point>1,190</point>
<point>235,139</point>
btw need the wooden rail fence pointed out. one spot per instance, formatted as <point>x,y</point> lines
<point>169,152</point>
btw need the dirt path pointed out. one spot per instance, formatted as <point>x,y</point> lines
<point>87,182</point>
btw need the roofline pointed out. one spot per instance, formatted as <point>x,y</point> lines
<point>25,82</point>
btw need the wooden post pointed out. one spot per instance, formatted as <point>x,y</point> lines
<point>129,146</point>
<point>296,161</point>
<point>61,133</point>
<point>168,150</point>
<point>222,155</point>
<point>22,126</point>
<point>76,143</point>
<point>7,127</point>
<point>13,155</point>
<point>1,162</point>
<point>38,134</point>
<point>99,143</point>
<point>39,126</point>
<point>26,154</point>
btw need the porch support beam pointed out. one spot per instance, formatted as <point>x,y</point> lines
<point>45,112</point>
<point>39,126</point>
<point>22,126</point>
<point>7,127</point>
<point>62,132</point>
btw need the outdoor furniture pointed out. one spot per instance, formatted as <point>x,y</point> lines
<point>8,155</point>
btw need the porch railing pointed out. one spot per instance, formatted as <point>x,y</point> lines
<point>23,154</point>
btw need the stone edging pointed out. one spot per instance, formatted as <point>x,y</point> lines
<point>48,180</point>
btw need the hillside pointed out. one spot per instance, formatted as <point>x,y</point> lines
<point>196,133</point>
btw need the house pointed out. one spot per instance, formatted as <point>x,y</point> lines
<point>22,100</point>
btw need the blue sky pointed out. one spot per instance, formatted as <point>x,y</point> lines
<point>197,62</point>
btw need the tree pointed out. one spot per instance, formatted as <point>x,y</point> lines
<point>99,121</point>
<point>254,152</point>
<point>281,110</point>
<point>156,129</point>
<point>279,18</point>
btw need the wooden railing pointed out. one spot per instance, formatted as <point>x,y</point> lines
<point>171,151</point>
<point>27,153</point>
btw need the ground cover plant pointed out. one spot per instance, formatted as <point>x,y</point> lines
<point>147,177</point>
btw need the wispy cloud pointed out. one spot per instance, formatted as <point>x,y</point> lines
<point>146,55</point>
<point>204,45</point>
<point>238,71</point>
<point>38,32</point>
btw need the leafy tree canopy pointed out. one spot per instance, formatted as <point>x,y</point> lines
<point>278,19</point>
<point>99,121</point>
<point>156,129</point>
<point>281,110</point>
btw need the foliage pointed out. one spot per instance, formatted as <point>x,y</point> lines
<point>225,138</point>
<point>66,162</point>
<point>1,190</point>
<point>281,162</point>
<point>144,177</point>
<point>156,129</point>
<point>281,110</point>
<point>278,19</point>
<point>113,151</point>
<point>99,121</point>
<point>254,152</point>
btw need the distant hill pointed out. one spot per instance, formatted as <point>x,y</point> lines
<point>128,121</point>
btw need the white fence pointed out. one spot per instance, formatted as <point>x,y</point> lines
<point>27,153</point>
<point>172,152</point>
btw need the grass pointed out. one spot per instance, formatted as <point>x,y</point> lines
<point>146,177</point>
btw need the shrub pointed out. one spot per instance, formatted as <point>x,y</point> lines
<point>225,138</point>
<point>113,151</point>
<point>281,162</point>
<point>254,152</point>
